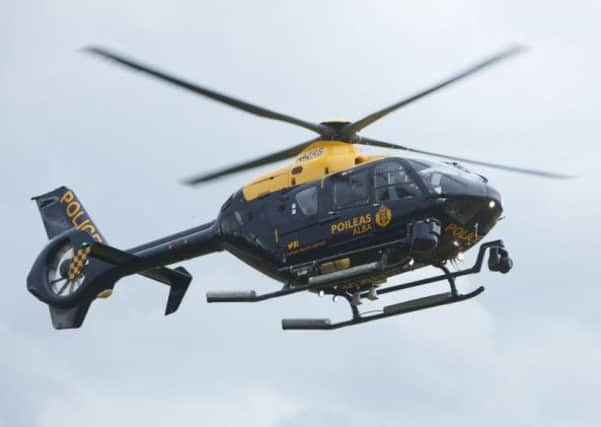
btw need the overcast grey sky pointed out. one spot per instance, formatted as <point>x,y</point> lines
<point>525,353</point>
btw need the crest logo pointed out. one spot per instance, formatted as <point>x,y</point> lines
<point>383,216</point>
<point>295,244</point>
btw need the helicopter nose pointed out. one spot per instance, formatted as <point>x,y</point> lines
<point>472,216</point>
<point>494,197</point>
<point>467,220</point>
<point>480,189</point>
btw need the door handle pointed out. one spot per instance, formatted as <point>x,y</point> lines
<point>331,216</point>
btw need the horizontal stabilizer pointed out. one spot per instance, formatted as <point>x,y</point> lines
<point>178,279</point>
<point>177,293</point>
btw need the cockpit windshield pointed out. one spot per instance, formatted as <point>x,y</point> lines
<point>447,179</point>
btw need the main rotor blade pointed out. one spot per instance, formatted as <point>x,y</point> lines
<point>261,161</point>
<point>215,96</point>
<point>544,174</point>
<point>352,128</point>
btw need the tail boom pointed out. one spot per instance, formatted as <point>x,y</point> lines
<point>77,265</point>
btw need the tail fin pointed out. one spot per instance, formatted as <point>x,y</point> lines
<point>76,266</point>
<point>61,211</point>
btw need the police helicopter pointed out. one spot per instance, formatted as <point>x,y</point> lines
<point>334,222</point>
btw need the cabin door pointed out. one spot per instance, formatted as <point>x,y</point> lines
<point>295,220</point>
<point>347,218</point>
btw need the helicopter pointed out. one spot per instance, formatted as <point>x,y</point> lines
<point>334,222</point>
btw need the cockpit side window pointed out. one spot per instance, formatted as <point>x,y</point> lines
<point>307,201</point>
<point>393,182</point>
<point>351,190</point>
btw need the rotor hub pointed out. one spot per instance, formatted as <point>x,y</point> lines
<point>336,127</point>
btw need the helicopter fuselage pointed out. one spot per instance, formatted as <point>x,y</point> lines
<point>354,216</point>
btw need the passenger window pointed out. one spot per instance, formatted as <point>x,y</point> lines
<point>392,182</point>
<point>351,190</point>
<point>307,201</point>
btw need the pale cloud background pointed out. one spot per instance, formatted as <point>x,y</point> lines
<point>525,353</point>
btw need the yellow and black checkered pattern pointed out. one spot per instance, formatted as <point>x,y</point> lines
<point>78,262</point>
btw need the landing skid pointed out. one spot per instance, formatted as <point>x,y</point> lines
<point>430,301</point>
<point>388,311</point>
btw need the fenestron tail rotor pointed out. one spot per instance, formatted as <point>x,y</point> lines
<point>338,131</point>
<point>64,277</point>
